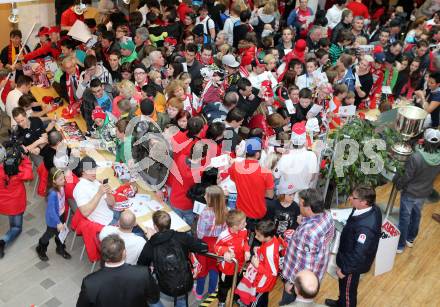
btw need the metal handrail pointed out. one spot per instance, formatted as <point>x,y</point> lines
<point>234,278</point>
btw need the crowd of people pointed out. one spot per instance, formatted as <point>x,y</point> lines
<point>220,103</point>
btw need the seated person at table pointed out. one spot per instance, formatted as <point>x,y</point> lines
<point>30,131</point>
<point>54,147</point>
<point>94,199</point>
<point>92,70</point>
<point>34,108</point>
<point>104,128</point>
<point>24,84</point>
<point>303,107</point>
<point>99,94</point>
<point>133,243</point>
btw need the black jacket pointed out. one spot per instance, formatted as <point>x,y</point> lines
<point>301,114</point>
<point>359,242</point>
<point>89,103</point>
<point>124,286</point>
<point>189,244</point>
<point>418,178</point>
<point>248,106</point>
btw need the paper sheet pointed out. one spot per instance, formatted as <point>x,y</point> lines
<point>80,32</point>
<point>316,108</point>
<point>220,161</point>
<point>198,207</point>
<point>176,222</point>
<point>341,215</point>
<point>63,234</point>
<point>104,164</point>
<point>139,207</point>
<point>347,111</point>
<point>290,107</point>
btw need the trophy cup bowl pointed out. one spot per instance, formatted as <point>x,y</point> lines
<point>409,123</point>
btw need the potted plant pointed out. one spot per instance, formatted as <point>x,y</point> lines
<point>360,131</point>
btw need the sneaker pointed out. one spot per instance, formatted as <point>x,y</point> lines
<point>41,253</point>
<point>198,297</point>
<point>410,243</point>
<point>63,253</point>
<point>399,250</point>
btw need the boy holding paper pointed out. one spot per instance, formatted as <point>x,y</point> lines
<point>305,109</point>
<point>339,93</point>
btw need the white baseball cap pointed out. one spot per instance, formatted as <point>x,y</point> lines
<point>432,135</point>
<point>229,60</point>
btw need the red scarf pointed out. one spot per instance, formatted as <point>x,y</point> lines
<point>12,54</point>
<point>69,85</point>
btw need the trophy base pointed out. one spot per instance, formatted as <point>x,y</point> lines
<point>401,151</point>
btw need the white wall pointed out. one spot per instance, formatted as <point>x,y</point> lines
<point>42,12</point>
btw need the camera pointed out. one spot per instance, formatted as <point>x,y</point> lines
<point>14,154</point>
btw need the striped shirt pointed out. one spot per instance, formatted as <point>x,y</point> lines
<point>206,226</point>
<point>309,247</point>
<point>335,52</point>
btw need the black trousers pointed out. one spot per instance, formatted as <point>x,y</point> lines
<point>262,300</point>
<point>348,290</point>
<point>50,232</point>
<point>224,284</point>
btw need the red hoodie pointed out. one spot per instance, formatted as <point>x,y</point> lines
<point>238,242</point>
<point>269,256</point>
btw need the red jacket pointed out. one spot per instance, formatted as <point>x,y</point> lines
<point>90,231</point>
<point>238,242</point>
<point>269,256</point>
<point>45,49</point>
<point>182,182</point>
<point>13,195</point>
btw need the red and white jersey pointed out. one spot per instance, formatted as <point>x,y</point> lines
<point>269,256</point>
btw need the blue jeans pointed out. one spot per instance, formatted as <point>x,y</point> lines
<point>212,284</point>
<point>180,301</point>
<point>15,227</point>
<point>186,215</point>
<point>409,218</point>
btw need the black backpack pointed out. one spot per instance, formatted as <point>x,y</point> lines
<point>172,268</point>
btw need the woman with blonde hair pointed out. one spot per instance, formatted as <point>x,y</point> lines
<point>212,221</point>
<point>191,101</point>
<point>127,90</point>
<point>175,89</point>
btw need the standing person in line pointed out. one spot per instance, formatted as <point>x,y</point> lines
<point>358,245</point>
<point>54,215</point>
<point>211,222</point>
<point>416,185</point>
<point>309,248</point>
<point>232,243</point>
<point>168,251</point>
<point>118,284</point>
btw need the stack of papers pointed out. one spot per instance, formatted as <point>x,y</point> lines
<point>341,215</point>
<point>176,222</point>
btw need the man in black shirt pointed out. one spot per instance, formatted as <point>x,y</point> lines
<point>30,131</point>
<point>249,99</point>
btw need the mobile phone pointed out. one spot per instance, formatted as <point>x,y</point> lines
<point>105,181</point>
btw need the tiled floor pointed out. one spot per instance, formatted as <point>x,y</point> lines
<point>27,281</point>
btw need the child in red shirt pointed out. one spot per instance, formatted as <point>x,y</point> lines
<point>339,93</point>
<point>232,243</point>
<point>266,260</point>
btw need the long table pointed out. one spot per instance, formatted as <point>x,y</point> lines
<point>103,155</point>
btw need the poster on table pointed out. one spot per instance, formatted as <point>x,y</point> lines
<point>386,252</point>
